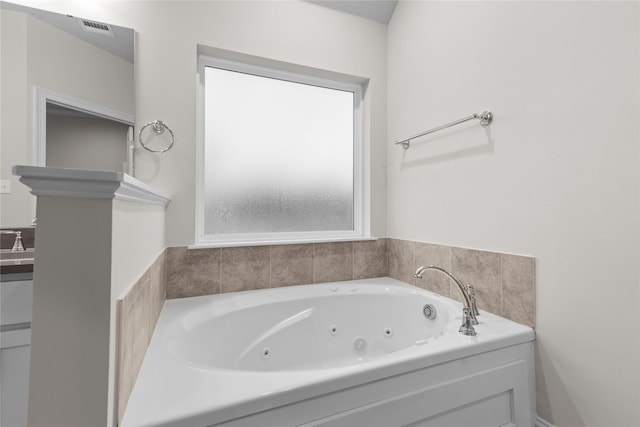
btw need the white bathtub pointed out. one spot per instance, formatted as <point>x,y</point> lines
<point>356,353</point>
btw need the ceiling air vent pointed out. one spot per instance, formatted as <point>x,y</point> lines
<point>97,27</point>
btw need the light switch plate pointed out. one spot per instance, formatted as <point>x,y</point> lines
<point>5,186</point>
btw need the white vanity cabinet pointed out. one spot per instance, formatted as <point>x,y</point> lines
<point>15,345</point>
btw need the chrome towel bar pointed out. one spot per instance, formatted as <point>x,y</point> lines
<point>485,119</point>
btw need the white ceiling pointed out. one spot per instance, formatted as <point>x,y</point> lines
<point>122,44</point>
<point>376,10</point>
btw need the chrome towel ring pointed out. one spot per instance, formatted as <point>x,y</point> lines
<point>157,127</point>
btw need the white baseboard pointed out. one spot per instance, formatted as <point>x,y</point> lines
<point>540,422</point>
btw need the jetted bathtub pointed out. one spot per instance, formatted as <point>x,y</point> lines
<point>356,353</point>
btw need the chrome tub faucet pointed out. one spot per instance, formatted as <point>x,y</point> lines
<point>470,310</point>
<point>17,243</point>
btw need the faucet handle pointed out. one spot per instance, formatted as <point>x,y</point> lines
<point>467,328</point>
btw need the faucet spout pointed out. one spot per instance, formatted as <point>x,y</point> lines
<point>17,243</point>
<point>469,305</point>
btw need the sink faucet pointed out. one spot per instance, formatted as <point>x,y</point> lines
<point>470,311</point>
<point>17,243</point>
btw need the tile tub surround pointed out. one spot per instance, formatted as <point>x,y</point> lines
<point>138,312</point>
<point>194,272</point>
<point>504,283</point>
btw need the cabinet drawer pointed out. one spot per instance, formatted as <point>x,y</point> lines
<point>16,300</point>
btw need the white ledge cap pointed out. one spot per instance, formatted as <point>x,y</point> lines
<point>92,184</point>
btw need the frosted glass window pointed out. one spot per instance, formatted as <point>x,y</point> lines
<point>278,155</point>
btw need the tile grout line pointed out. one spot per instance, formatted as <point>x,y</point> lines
<point>313,264</point>
<point>501,285</point>
<point>415,265</point>
<point>353,260</point>
<point>386,254</point>
<point>450,269</point>
<point>533,291</point>
<point>270,279</point>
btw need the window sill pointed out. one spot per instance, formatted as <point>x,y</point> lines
<point>206,245</point>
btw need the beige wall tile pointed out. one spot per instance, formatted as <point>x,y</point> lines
<point>401,260</point>
<point>428,254</point>
<point>192,272</point>
<point>244,268</point>
<point>518,289</point>
<point>291,265</point>
<point>125,346</point>
<point>134,325</point>
<point>483,270</point>
<point>333,262</point>
<point>140,316</point>
<point>370,259</point>
<point>158,287</point>
<point>138,312</point>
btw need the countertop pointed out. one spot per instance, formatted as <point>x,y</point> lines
<point>16,263</point>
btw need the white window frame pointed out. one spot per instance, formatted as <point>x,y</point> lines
<point>280,72</point>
